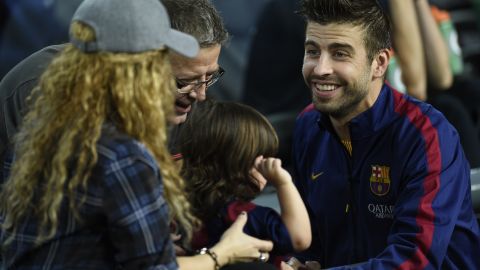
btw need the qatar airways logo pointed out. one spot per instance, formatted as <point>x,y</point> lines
<point>381,210</point>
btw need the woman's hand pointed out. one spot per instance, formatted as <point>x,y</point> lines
<point>236,246</point>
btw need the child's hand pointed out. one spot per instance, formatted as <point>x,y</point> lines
<point>256,175</point>
<point>272,170</point>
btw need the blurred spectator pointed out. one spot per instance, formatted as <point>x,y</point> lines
<point>408,47</point>
<point>240,19</point>
<point>29,25</point>
<point>476,4</point>
<point>427,52</point>
<point>274,81</point>
<point>3,16</point>
<point>274,84</point>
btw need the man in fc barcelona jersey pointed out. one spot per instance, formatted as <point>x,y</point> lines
<point>383,175</point>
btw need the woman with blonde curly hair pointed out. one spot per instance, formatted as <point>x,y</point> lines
<point>92,182</point>
<point>86,189</point>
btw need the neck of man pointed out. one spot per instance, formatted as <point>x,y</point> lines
<point>341,124</point>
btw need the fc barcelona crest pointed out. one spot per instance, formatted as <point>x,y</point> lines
<point>380,180</point>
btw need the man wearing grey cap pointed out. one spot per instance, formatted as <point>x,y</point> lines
<point>92,183</point>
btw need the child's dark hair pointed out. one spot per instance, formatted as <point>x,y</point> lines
<point>219,143</point>
<point>366,13</point>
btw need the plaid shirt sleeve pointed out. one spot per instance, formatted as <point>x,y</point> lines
<point>136,209</point>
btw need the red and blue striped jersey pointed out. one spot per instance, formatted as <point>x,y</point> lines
<point>401,200</point>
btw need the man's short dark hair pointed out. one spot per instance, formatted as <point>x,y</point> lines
<point>365,13</point>
<point>198,18</point>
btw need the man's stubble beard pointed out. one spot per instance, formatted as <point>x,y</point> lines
<point>352,96</point>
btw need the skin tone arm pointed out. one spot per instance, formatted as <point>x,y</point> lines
<point>408,47</point>
<point>436,51</point>
<point>234,246</point>
<point>293,212</point>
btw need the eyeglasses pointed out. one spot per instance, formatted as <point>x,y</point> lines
<point>188,87</point>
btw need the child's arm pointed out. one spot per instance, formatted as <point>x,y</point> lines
<point>293,211</point>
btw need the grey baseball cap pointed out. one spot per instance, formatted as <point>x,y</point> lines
<point>130,26</point>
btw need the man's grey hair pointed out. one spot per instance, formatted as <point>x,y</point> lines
<point>198,18</point>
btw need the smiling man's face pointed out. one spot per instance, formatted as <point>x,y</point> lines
<point>193,70</point>
<point>336,68</point>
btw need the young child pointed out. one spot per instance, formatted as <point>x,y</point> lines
<point>228,151</point>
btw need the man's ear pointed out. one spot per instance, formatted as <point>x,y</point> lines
<point>380,63</point>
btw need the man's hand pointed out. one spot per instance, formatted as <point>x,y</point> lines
<point>294,264</point>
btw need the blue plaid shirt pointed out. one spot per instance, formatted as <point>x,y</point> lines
<point>124,220</point>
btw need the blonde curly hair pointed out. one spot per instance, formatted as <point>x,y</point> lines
<point>76,95</point>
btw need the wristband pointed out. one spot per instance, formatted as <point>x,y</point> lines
<point>212,255</point>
